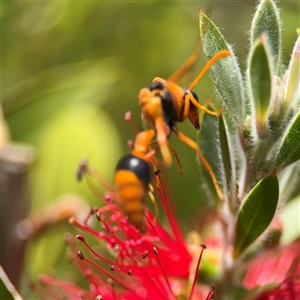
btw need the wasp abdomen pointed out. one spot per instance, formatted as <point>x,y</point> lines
<point>132,177</point>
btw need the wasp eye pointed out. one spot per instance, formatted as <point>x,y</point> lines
<point>156,86</point>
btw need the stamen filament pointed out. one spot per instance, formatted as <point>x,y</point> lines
<point>163,270</point>
<point>196,273</point>
<point>78,236</point>
<point>211,294</point>
<point>109,275</point>
<point>131,122</point>
<point>73,221</point>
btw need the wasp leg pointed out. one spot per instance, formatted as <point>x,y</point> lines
<point>190,98</point>
<point>151,196</point>
<point>162,139</point>
<point>176,158</point>
<point>141,144</point>
<point>155,171</point>
<point>205,163</point>
<point>174,153</point>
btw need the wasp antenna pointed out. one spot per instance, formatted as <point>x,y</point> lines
<point>215,58</point>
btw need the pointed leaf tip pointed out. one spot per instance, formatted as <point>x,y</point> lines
<point>225,72</point>
<point>292,89</point>
<point>260,74</point>
<point>267,20</point>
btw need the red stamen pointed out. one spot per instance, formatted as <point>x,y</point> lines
<point>94,285</point>
<point>73,221</point>
<point>82,239</point>
<point>109,275</point>
<point>145,254</point>
<point>111,283</point>
<point>196,273</point>
<point>163,270</point>
<point>69,289</point>
<point>130,144</point>
<point>167,202</point>
<point>157,284</point>
<point>131,122</point>
<point>91,212</point>
<point>80,255</point>
<point>39,290</point>
<point>98,216</point>
<point>211,294</point>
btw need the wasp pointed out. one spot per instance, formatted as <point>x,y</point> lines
<point>164,103</point>
<point>132,181</point>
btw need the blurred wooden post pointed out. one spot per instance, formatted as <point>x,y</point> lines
<point>14,163</point>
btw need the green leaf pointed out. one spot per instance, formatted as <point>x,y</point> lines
<point>210,147</point>
<point>267,21</point>
<point>256,213</point>
<point>225,72</point>
<point>292,89</point>
<point>260,83</point>
<point>290,219</point>
<point>289,150</point>
<point>227,164</point>
<point>289,179</point>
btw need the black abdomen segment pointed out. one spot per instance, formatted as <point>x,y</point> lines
<point>136,165</point>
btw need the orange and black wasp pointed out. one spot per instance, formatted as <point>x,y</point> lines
<point>164,103</point>
<point>132,181</point>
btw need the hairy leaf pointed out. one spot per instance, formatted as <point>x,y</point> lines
<point>256,213</point>
<point>292,89</point>
<point>227,164</point>
<point>260,83</point>
<point>210,147</point>
<point>289,150</point>
<point>267,21</point>
<point>225,72</point>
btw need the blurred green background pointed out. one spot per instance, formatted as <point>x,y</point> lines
<point>70,71</point>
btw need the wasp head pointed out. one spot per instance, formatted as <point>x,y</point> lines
<point>150,100</point>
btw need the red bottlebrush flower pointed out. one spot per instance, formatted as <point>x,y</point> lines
<point>278,271</point>
<point>289,289</point>
<point>134,265</point>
